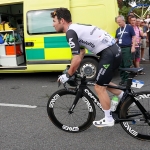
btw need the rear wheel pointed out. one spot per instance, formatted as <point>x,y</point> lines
<point>139,128</point>
<point>58,111</point>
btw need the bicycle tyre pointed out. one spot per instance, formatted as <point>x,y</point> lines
<point>128,108</point>
<point>52,109</point>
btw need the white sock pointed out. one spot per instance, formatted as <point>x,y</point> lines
<point>108,116</point>
<point>120,95</point>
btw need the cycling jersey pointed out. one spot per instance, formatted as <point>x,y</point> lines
<point>89,37</point>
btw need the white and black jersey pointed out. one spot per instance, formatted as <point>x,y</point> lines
<point>89,37</point>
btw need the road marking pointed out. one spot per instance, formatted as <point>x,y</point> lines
<point>17,105</point>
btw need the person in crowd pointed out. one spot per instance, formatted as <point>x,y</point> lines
<point>131,13</point>
<point>136,54</point>
<point>128,19</point>
<point>125,37</point>
<point>147,16</point>
<point>143,39</point>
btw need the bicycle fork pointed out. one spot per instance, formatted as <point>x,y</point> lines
<point>78,95</point>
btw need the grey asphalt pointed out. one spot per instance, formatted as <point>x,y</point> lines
<point>31,129</point>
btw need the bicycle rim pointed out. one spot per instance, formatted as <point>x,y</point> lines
<point>81,118</point>
<point>139,128</point>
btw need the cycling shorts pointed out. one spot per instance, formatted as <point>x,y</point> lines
<point>110,59</point>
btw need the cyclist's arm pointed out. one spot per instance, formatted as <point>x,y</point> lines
<point>78,53</point>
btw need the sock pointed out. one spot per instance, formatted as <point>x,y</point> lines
<point>108,116</point>
<point>120,95</point>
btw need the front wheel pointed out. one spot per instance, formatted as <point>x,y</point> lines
<point>58,111</point>
<point>139,128</point>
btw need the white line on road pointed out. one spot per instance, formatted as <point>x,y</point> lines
<point>17,105</point>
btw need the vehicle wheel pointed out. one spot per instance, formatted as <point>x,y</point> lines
<point>79,120</point>
<point>89,67</point>
<point>139,128</point>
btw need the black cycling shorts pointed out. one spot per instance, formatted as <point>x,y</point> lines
<point>110,59</point>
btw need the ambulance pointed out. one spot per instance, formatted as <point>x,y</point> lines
<point>29,42</point>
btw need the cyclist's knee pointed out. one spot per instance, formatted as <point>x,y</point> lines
<point>99,89</point>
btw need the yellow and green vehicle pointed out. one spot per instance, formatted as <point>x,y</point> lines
<point>31,43</point>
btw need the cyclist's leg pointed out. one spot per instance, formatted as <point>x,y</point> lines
<point>114,91</point>
<point>106,65</point>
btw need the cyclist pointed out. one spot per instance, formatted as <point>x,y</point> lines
<point>100,43</point>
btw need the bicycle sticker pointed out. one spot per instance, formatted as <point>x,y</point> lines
<point>137,83</point>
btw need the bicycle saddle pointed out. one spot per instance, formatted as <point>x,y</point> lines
<point>134,70</point>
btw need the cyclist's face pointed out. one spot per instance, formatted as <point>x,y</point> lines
<point>58,24</point>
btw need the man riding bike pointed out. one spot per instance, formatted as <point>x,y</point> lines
<point>98,42</point>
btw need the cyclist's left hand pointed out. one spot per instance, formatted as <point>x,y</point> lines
<point>63,78</point>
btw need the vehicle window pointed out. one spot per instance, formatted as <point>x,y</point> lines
<point>40,22</point>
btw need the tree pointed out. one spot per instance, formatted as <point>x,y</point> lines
<point>139,12</point>
<point>122,3</point>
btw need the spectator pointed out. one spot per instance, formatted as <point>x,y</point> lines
<point>128,19</point>
<point>125,37</point>
<point>138,24</point>
<point>136,54</point>
<point>131,13</point>
<point>144,39</point>
<point>147,16</point>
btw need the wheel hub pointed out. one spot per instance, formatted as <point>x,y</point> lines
<point>88,70</point>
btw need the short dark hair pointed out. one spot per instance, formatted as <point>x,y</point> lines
<point>133,17</point>
<point>62,13</point>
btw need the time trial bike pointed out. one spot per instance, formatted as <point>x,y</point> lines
<point>72,109</point>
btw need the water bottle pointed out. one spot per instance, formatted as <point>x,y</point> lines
<point>114,103</point>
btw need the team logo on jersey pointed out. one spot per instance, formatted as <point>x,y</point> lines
<point>86,43</point>
<point>72,44</point>
<point>106,66</point>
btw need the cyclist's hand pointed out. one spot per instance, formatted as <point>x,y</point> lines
<point>63,78</point>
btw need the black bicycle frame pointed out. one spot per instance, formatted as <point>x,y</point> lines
<point>127,93</point>
<point>84,89</point>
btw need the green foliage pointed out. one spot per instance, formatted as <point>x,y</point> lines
<point>126,8</point>
<point>124,11</point>
<point>125,2</point>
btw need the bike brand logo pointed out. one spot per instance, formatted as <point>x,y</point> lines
<point>139,97</point>
<point>52,102</point>
<point>70,128</point>
<point>88,104</point>
<point>126,125</point>
<point>72,44</point>
<point>91,96</point>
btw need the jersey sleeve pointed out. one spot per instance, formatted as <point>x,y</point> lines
<point>72,39</point>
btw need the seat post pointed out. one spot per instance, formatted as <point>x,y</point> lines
<point>129,81</point>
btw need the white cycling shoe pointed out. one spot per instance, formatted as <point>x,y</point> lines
<point>104,123</point>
